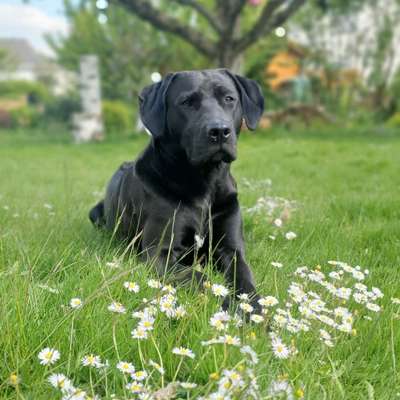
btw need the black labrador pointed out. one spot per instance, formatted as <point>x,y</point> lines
<point>179,195</point>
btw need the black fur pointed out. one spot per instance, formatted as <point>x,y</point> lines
<point>181,185</point>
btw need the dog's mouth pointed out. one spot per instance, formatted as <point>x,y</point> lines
<point>222,153</point>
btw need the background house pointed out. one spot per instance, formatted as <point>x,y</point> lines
<point>26,64</point>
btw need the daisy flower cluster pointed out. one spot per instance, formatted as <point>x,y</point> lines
<point>321,303</point>
<point>272,206</point>
<point>165,302</point>
<point>277,209</point>
<point>326,303</point>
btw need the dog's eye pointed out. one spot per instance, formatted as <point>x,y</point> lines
<point>229,99</point>
<point>187,102</point>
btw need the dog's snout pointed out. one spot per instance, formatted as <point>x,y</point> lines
<point>219,133</point>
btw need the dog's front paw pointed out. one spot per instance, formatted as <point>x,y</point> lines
<point>226,304</point>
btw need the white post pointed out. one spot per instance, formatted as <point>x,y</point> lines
<point>88,124</point>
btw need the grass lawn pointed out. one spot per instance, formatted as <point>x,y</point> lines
<point>346,185</point>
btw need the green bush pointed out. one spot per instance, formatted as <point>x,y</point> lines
<point>394,120</point>
<point>26,117</point>
<point>36,92</point>
<point>61,108</point>
<point>117,117</point>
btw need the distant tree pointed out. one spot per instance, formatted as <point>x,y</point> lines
<point>227,27</point>
<point>129,50</point>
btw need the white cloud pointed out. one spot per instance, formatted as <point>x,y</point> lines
<point>29,22</point>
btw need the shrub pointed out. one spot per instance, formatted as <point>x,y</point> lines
<point>61,108</point>
<point>26,117</point>
<point>394,120</point>
<point>117,117</point>
<point>36,92</point>
<point>5,119</point>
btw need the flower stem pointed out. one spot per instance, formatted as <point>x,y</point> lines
<point>177,370</point>
<point>160,358</point>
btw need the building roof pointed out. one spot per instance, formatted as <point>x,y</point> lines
<point>21,52</point>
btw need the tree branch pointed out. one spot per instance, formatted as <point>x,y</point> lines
<point>237,8</point>
<point>166,23</point>
<point>229,12</point>
<point>202,11</point>
<point>269,19</point>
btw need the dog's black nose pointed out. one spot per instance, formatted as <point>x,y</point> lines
<point>219,133</point>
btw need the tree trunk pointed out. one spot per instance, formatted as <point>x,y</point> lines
<point>227,56</point>
<point>229,59</point>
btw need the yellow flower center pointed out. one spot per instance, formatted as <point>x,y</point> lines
<point>13,379</point>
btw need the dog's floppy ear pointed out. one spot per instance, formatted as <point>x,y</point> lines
<point>153,108</point>
<point>251,98</point>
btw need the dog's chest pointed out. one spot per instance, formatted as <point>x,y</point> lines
<point>197,217</point>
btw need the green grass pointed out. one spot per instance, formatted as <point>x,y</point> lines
<point>346,183</point>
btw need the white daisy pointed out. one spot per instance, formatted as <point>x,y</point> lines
<point>91,360</point>
<point>335,275</point>
<point>377,292</point>
<point>155,284</point>
<point>361,287</point>
<point>253,355</point>
<point>116,308</point>
<point>146,323</point>
<point>48,356</point>
<point>139,375</point>
<point>169,288</point>
<point>139,333</point>
<point>126,367</point>
<point>182,351</point>
<point>290,235</point>
<point>360,297</point>
<point>60,381</point>
<point>76,303</point>
<point>113,264</point>
<point>199,241</point>
<point>157,366</point>
<point>188,385</point>
<point>256,318</point>
<point>343,293</point>
<point>220,320</point>
<point>219,290</point>
<point>279,349</point>
<point>243,297</point>
<point>324,335</point>
<point>276,264</point>
<point>280,387</point>
<point>132,287</point>
<point>228,339</point>
<point>373,307</point>
<point>180,312</point>
<point>77,394</point>
<point>268,301</point>
<point>234,380</point>
<point>135,387</point>
<point>246,307</point>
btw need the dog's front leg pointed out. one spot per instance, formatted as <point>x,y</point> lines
<point>229,254</point>
<point>162,243</point>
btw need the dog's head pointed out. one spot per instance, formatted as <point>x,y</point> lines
<point>201,112</point>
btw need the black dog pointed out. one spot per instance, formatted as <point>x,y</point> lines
<point>180,190</point>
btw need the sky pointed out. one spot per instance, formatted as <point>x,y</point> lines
<point>31,20</point>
